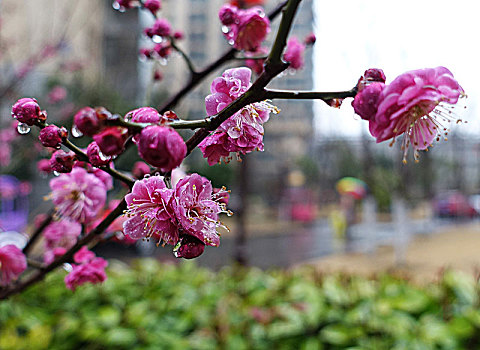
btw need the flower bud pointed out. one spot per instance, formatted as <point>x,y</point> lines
<point>310,39</point>
<point>190,247</point>
<point>140,169</point>
<point>227,14</point>
<point>62,162</point>
<point>178,35</point>
<point>111,140</point>
<point>95,157</point>
<point>152,5</point>
<point>26,110</point>
<point>143,115</point>
<point>87,121</point>
<point>365,103</point>
<point>162,147</point>
<point>372,75</point>
<point>52,136</point>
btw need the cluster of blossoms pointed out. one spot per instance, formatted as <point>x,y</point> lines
<point>243,131</point>
<point>415,104</point>
<point>59,237</point>
<point>185,216</point>
<point>88,268</point>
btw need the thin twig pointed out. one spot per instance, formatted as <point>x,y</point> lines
<point>38,231</point>
<point>308,95</point>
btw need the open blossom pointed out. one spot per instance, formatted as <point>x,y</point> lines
<point>246,29</point>
<point>196,210</point>
<point>12,263</point>
<point>243,131</point>
<point>415,104</point>
<point>294,53</point>
<point>150,212</point>
<point>89,269</point>
<point>59,237</point>
<point>187,215</point>
<point>78,195</point>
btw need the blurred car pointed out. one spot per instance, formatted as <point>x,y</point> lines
<point>453,204</point>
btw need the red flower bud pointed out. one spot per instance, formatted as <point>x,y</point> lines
<point>111,141</point>
<point>62,162</point>
<point>162,147</point>
<point>52,136</point>
<point>26,110</point>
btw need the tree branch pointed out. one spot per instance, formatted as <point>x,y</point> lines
<point>308,95</point>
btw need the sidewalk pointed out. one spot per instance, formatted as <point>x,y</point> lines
<point>456,247</point>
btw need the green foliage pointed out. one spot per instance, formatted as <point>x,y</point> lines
<point>155,306</point>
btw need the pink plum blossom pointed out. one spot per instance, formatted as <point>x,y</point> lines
<point>246,29</point>
<point>12,263</point>
<point>414,105</point>
<point>196,210</point>
<point>89,269</point>
<point>243,131</point>
<point>150,212</point>
<point>59,237</point>
<point>161,147</point>
<point>78,195</point>
<point>294,53</point>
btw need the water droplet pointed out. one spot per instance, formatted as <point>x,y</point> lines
<point>67,267</point>
<point>23,128</point>
<point>76,132</point>
<point>103,156</point>
<point>231,41</point>
<point>163,61</point>
<point>146,176</point>
<point>225,29</point>
<point>135,138</point>
<point>157,39</point>
<point>116,5</point>
<point>56,173</point>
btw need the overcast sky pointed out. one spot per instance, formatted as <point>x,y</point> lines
<point>397,36</point>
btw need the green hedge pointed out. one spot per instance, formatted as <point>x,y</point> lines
<point>159,306</point>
